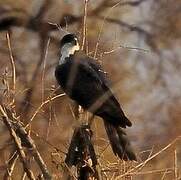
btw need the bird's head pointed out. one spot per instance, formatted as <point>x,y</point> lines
<point>70,42</point>
<point>68,45</point>
<point>70,39</point>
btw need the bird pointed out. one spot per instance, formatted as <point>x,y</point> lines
<point>83,80</point>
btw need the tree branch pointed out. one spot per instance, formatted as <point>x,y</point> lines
<point>19,148</point>
<point>21,137</point>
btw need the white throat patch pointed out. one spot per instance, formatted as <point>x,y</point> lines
<point>67,50</point>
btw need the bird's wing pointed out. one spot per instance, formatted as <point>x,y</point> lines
<point>88,85</point>
<point>103,78</point>
<point>111,103</point>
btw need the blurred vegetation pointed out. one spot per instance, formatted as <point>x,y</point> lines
<point>138,45</point>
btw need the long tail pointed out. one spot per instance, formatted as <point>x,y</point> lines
<point>119,142</point>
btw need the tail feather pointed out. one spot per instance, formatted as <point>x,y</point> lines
<point>121,120</point>
<point>119,142</point>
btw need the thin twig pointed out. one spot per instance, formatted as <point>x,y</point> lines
<point>149,159</point>
<point>44,65</point>
<point>49,120</point>
<point>168,170</point>
<point>130,3</point>
<point>84,25</point>
<point>47,142</point>
<point>12,65</point>
<point>125,47</point>
<point>11,164</point>
<point>102,26</point>
<point>41,106</point>
<point>23,176</point>
<point>175,165</point>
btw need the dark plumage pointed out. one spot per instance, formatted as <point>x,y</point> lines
<point>84,81</point>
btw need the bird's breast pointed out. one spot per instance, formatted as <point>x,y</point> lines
<point>66,75</point>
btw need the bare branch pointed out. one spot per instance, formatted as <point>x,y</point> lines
<point>16,129</point>
<point>29,143</point>
<point>18,145</point>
